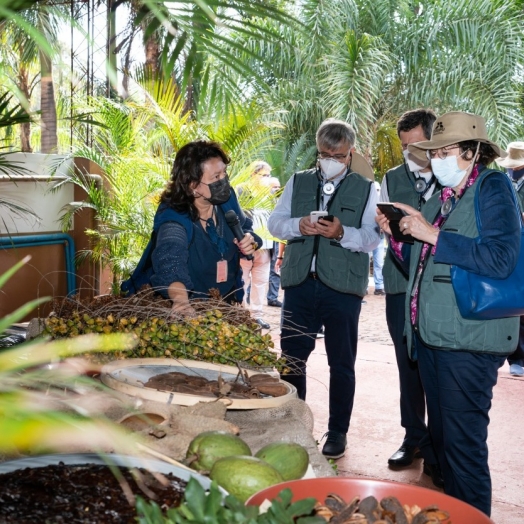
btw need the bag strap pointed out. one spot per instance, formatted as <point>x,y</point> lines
<point>513,194</point>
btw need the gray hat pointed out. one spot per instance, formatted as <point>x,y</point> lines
<point>515,156</point>
<point>452,128</point>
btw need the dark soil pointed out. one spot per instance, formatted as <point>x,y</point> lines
<point>78,494</point>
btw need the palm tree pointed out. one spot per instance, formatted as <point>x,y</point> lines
<point>367,62</point>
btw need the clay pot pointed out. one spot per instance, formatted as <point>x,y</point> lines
<point>348,488</point>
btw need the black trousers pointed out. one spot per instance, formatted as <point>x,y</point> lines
<point>305,309</point>
<point>518,356</point>
<point>459,389</point>
<point>412,398</point>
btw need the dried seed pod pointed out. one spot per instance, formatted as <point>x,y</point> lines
<point>394,507</point>
<point>262,377</point>
<point>323,511</point>
<point>275,390</point>
<point>358,518</point>
<point>370,508</point>
<point>335,502</point>
<point>347,512</point>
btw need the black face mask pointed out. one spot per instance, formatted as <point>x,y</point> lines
<point>220,191</point>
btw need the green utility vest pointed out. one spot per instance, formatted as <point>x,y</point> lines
<point>399,190</point>
<point>339,268</point>
<point>520,194</point>
<point>439,324</point>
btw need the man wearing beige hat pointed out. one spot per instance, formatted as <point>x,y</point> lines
<point>514,164</point>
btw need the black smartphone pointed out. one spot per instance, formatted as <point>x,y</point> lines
<point>329,218</point>
<point>391,212</point>
<point>394,214</point>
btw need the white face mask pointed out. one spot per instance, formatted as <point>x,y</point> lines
<point>447,171</point>
<point>413,163</point>
<point>330,167</point>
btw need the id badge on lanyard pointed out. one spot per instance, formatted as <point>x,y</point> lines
<point>221,271</point>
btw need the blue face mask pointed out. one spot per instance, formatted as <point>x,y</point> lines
<point>515,174</point>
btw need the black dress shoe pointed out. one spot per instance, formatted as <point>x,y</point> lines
<point>335,445</point>
<point>274,303</point>
<point>262,323</point>
<point>403,456</point>
<point>433,471</point>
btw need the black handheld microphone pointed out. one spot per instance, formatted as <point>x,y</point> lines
<point>234,224</point>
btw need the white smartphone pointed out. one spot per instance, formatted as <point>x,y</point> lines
<point>314,215</point>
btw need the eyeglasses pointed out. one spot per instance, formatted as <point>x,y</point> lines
<point>441,153</point>
<point>327,156</point>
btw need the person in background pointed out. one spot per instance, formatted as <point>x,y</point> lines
<point>378,259</point>
<point>514,164</point>
<point>411,183</point>
<point>325,270</point>
<point>276,259</point>
<point>459,358</point>
<point>192,249</point>
<point>256,271</point>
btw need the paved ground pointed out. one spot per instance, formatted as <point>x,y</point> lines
<point>375,431</point>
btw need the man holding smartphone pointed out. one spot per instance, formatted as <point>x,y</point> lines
<point>325,271</point>
<point>413,184</point>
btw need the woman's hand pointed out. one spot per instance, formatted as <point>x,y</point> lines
<point>416,225</point>
<point>247,245</point>
<point>182,310</point>
<point>178,294</point>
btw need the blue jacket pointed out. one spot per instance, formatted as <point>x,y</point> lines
<point>144,270</point>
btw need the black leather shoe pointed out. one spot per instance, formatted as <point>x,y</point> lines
<point>433,471</point>
<point>274,303</point>
<point>262,323</point>
<point>403,456</point>
<point>335,445</point>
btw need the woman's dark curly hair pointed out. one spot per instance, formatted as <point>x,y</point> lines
<point>486,152</point>
<point>187,170</point>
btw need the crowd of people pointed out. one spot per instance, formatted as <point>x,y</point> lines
<point>316,243</point>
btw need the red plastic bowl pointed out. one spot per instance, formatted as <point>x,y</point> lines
<point>348,488</point>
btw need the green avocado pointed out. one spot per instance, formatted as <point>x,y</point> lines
<point>288,458</point>
<point>209,446</point>
<point>244,476</point>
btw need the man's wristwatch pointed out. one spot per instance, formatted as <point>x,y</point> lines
<point>341,236</point>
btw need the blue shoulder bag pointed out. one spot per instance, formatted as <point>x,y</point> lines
<point>483,298</point>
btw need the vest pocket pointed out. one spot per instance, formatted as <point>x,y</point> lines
<point>296,241</point>
<point>442,279</point>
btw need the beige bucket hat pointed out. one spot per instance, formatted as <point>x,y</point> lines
<point>515,156</point>
<point>453,127</point>
<point>361,166</point>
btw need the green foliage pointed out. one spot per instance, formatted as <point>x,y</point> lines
<point>200,507</point>
<point>30,395</point>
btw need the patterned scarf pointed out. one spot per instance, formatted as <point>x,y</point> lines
<point>446,194</point>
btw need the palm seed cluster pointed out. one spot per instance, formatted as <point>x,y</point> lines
<point>220,333</point>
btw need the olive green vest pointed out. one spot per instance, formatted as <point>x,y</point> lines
<point>339,268</point>
<point>520,194</point>
<point>399,190</point>
<point>439,324</point>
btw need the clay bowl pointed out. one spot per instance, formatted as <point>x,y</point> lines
<point>348,488</point>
